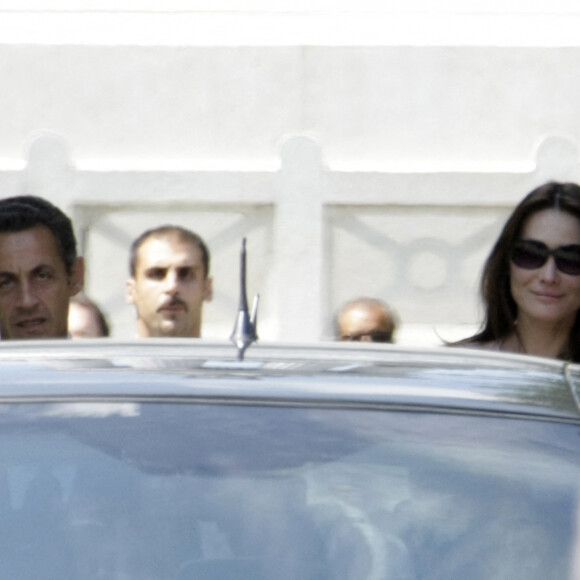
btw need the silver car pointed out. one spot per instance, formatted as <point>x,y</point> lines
<point>173,460</point>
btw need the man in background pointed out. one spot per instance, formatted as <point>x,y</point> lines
<point>366,320</point>
<point>86,319</point>
<point>169,282</point>
<point>39,269</point>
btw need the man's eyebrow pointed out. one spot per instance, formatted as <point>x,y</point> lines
<point>42,267</point>
<point>151,269</point>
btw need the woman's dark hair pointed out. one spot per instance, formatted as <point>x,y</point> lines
<point>500,308</point>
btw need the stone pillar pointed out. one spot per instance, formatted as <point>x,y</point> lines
<point>298,241</point>
<point>557,160</point>
<point>49,172</point>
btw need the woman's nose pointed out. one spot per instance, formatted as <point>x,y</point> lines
<point>549,271</point>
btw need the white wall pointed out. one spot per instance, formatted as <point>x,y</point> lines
<point>355,163</point>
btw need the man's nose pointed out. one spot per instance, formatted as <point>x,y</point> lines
<point>27,297</point>
<point>171,282</point>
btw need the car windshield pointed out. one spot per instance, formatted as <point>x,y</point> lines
<point>167,491</point>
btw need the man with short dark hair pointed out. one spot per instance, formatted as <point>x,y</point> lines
<point>39,268</point>
<point>365,320</point>
<point>169,282</point>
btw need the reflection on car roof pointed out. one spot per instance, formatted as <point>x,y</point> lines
<point>322,373</point>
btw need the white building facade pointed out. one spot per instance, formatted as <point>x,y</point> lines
<point>362,149</point>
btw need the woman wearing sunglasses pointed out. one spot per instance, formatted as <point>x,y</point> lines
<point>531,280</point>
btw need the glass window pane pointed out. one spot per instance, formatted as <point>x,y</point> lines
<point>167,491</point>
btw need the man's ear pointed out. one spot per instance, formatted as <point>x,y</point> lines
<point>208,293</point>
<point>130,291</point>
<point>77,277</point>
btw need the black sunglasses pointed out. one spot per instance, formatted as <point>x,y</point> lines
<point>374,336</point>
<point>533,254</point>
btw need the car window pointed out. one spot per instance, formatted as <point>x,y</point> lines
<point>189,491</point>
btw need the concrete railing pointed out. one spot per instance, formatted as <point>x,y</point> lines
<point>317,235</point>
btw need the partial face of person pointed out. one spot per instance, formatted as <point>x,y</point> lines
<point>169,287</point>
<point>364,323</point>
<point>546,293</point>
<point>82,322</point>
<point>35,288</point>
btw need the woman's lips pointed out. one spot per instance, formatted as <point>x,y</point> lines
<point>548,295</point>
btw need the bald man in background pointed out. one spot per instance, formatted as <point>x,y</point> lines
<point>366,320</point>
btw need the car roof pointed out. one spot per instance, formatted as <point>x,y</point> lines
<point>329,374</point>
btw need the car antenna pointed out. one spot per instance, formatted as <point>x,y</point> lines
<point>245,330</point>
